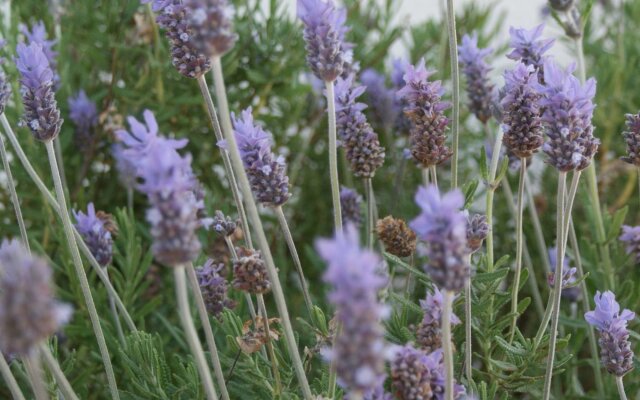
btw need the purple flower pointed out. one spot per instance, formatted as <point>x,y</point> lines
<point>38,34</point>
<point>615,349</point>
<point>324,31</point>
<point>210,24</point>
<point>41,113</point>
<point>143,136</point>
<point>476,70</point>
<point>5,87</point>
<point>568,110</point>
<point>477,231</point>
<point>443,227</point>
<point>84,114</point>
<point>377,394</point>
<point>631,239</point>
<point>363,150</point>
<point>95,234</point>
<point>382,99</point>
<point>632,137</point>
<point>266,172</point>
<point>429,331</point>
<point>124,165</point>
<point>521,121</point>
<point>214,288</point>
<point>424,108</point>
<point>28,311</point>
<point>529,48</point>
<point>358,350</point>
<point>351,203</point>
<point>402,125</point>
<point>223,225</point>
<point>568,276</point>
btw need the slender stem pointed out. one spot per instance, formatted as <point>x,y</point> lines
<point>63,175</point>
<point>493,169</point>
<point>116,318</point>
<point>537,226</point>
<point>247,296</point>
<point>368,194</point>
<point>519,240</point>
<point>208,332</point>
<point>620,386</point>
<point>468,368</point>
<point>296,259</point>
<point>425,176</point>
<point>54,203</point>
<point>217,130</point>
<point>190,332</point>
<point>447,345</point>
<point>557,287</point>
<point>263,245</point>
<point>434,175</point>
<point>10,380</point>
<point>33,366</point>
<point>544,323</point>
<point>333,157</point>
<point>14,195</point>
<point>56,371</point>
<point>272,353</point>
<point>82,276</point>
<point>453,54</point>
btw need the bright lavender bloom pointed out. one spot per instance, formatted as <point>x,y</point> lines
<point>41,113</point>
<point>568,109</point>
<point>143,136</point>
<point>211,27</point>
<point>28,311</point>
<point>266,172</point>
<point>615,349</point>
<point>631,239</point>
<point>361,144</point>
<point>568,276</point>
<point>84,114</point>
<point>95,234</point>
<point>424,109</point>
<point>38,34</point>
<point>521,121</point>
<point>324,31</point>
<point>351,204</point>
<point>632,137</point>
<point>477,231</point>
<point>529,48</point>
<point>358,349</point>
<point>429,332</point>
<point>443,228</point>
<point>380,97</point>
<point>5,87</point>
<point>476,70</point>
<point>214,288</point>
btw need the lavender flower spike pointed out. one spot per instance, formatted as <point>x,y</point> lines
<point>351,206</point>
<point>529,48</point>
<point>443,227</point>
<point>94,232</point>
<point>324,32</point>
<point>28,311</point>
<point>5,87</point>
<point>631,239</point>
<point>476,70</point>
<point>38,34</point>
<point>211,27</point>
<point>632,137</point>
<point>477,231</point>
<point>364,153</point>
<point>615,349</point>
<point>381,98</point>
<point>424,108</point>
<point>358,350</point>
<point>41,113</point>
<point>214,288</point>
<point>84,114</point>
<point>428,333</point>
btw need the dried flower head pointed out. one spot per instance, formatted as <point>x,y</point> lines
<point>41,113</point>
<point>5,87</point>
<point>358,349</point>
<point>429,331</point>
<point>214,288</point>
<point>529,48</point>
<point>84,114</point>
<point>477,231</point>
<point>632,137</point>
<point>476,70</point>
<point>253,339</point>
<point>631,239</point>
<point>223,226</point>
<point>615,349</point>
<point>351,206</point>
<point>95,234</point>
<point>211,27</point>
<point>361,144</point>
<point>425,109</point>
<point>250,272</point>
<point>28,311</point>
<point>397,237</point>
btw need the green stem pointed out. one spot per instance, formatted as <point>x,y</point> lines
<point>14,195</point>
<point>447,345</point>
<point>368,194</point>
<point>263,244</point>
<point>519,240</point>
<point>425,176</point>
<point>190,332</point>
<point>10,380</point>
<point>208,332</point>
<point>272,353</point>
<point>537,227</point>
<point>33,366</point>
<point>63,175</point>
<point>543,324</point>
<point>434,175</point>
<point>56,371</point>
<point>333,157</point>
<point>116,318</point>
<point>296,259</point>
<point>82,276</point>
<point>453,54</point>
<point>493,169</point>
<point>54,204</point>
<point>467,328</point>
<point>620,386</point>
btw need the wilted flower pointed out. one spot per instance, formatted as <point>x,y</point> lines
<point>224,226</point>
<point>568,276</point>
<point>397,237</point>
<point>429,331</point>
<point>84,114</point>
<point>5,87</point>
<point>529,48</point>
<point>615,349</point>
<point>95,234</point>
<point>632,137</point>
<point>38,34</point>
<point>477,231</point>
<point>381,98</point>
<point>210,25</point>
<point>631,239</point>
<point>476,70</point>
<point>28,311</point>
<point>253,339</point>
<point>424,108</point>
<point>521,122</point>
<point>360,142</point>
<point>443,228</point>
<point>250,272</point>
<point>214,288</point>
<point>359,347</point>
<point>351,206</point>
<point>324,32</point>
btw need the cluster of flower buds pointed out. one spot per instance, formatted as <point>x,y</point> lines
<point>429,332</point>
<point>84,114</point>
<point>479,89</point>
<point>214,288</point>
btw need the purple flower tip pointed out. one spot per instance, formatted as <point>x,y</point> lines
<point>631,239</point>
<point>607,312</point>
<point>33,66</point>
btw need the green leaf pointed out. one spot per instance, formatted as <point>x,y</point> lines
<point>484,170</point>
<point>397,261</point>
<point>489,277</point>
<point>469,191</point>
<point>510,348</point>
<point>616,223</point>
